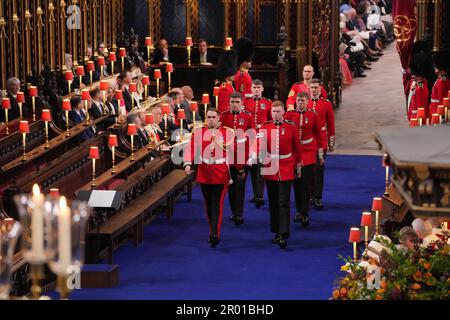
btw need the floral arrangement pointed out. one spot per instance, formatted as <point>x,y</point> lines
<point>399,274</point>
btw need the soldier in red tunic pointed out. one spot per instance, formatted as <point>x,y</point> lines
<point>308,74</point>
<point>279,146</point>
<point>442,85</point>
<point>420,67</point>
<point>242,79</point>
<point>325,111</point>
<point>225,71</point>
<point>309,127</point>
<point>213,173</point>
<point>241,122</point>
<point>260,108</point>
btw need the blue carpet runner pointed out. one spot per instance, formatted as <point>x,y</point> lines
<point>176,262</point>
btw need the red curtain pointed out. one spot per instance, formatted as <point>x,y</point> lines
<point>405,25</point>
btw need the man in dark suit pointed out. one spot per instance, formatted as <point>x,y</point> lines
<point>162,52</point>
<point>201,55</point>
<point>96,110</point>
<point>77,115</point>
<point>12,87</point>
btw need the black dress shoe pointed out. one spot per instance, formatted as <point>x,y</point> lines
<point>361,75</point>
<point>238,220</point>
<point>305,221</point>
<point>252,200</point>
<point>318,203</point>
<point>372,58</point>
<point>276,239</point>
<point>366,67</point>
<point>214,241</point>
<point>282,243</point>
<point>298,218</point>
<point>259,202</point>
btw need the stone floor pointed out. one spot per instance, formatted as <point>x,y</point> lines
<point>370,104</point>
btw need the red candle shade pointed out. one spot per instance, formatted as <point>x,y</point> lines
<point>119,95</point>
<point>104,85</point>
<point>216,91</point>
<point>441,110</point>
<point>145,80</point>
<point>446,102</point>
<point>6,104</point>
<point>85,94</point>
<point>169,67</point>
<point>157,74</point>
<point>122,52</point>
<point>194,106</point>
<point>46,115</point>
<point>33,91</point>
<point>101,61</point>
<point>229,42</point>
<point>132,129</point>
<point>91,66</point>
<point>189,42</point>
<point>133,87</point>
<point>205,98</point>
<point>413,122</point>
<point>377,204</point>
<point>149,119</point>
<point>366,219</point>
<point>421,113</point>
<point>54,192</point>
<point>69,75</point>
<point>20,97</point>
<point>66,105</point>
<point>148,41</point>
<point>112,141</point>
<point>23,127</point>
<point>93,153</point>
<point>355,235</point>
<point>112,56</point>
<point>435,119</point>
<point>181,114</point>
<point>165,108</point>
<point>80,71</point>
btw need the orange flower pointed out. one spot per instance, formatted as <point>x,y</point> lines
<point>336,294</point>
<point>427,266</point>
<point>429,284</point>
<point>380,291</point>
<point>428,275</point>
<point>378,297</point>
<point>421,261</point>
<point>343,292</point>
<point>417,275</point>
<point>383,284</point>
<point>416,286</point>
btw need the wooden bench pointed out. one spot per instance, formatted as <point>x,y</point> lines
<point>132,217</point>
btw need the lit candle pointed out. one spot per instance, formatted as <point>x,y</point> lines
<point>64,235</point>
<point>37,223</point>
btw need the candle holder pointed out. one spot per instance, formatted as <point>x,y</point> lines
<point>69,225</point>
<point>386,165</point>
<point>189,55</point>
<point>377,206</point>
<point>24,129</point>
<point>157,76</point>
<point>169,70</point>
<point>9,234</point>
<point>366,222</point>
<point>94,155</point>
<point>46,117</point>
<point>132,131</point>
<point>20,101</point>
<point>6,104</point>
<point>354,238</point>
<point>67,107</point>
<point>113,143</point>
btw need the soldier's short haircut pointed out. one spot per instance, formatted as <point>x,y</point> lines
<point>277,103</point>
<point>173,95</point>
<point>257,82</point>
<point>315,80</point>
<point>303,95</point>
<point>236,95</point>
<point>94,92</point>
<point>213,110</point>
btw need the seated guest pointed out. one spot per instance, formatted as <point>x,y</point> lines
<point>188,94</point>
<point>125,78</point>
<point>12,87</point>
<point>162,52</point>
<point>111,102</point>
<point>142,138</point>
<point>76,79</point>
<point>201,56</point>
<point>408,238</point>
<point>96,110</point>
<point>77,115</point>
<point>424,231</point>
<point>159,124</point>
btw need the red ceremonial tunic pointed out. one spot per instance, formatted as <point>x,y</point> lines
<point>418,98</point>
<point>240,122</point>
<point>310,133</point>
<point>243,83</point>
<point>439,92</point>
<point>296,89</point>
<point>325,111</point>
<point>225,91</point>
<point>260,110</point>
<point>280,144</point>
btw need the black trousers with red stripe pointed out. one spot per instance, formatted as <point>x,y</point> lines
<point>302,189</point>
<point>279,193</point>
<point>214,195</point>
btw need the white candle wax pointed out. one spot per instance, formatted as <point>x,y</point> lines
<point>64,235</point>
<point>37,223</point>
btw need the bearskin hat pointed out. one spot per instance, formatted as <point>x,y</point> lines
<point>441,60</point>
<point>245,50</point>
<point>421,65</point>
<point>227,65</point>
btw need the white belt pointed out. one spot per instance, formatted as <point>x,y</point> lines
<point>279,156</point>
<point>307,141</point>
<point>413,111</point>
<point>241,140</point>
<point>435,100</point>
<point>323,128</point>
<point>213,161</point>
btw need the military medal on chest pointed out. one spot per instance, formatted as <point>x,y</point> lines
<point>282,131</point>
<point>241,122</point>
<point>263,106</point>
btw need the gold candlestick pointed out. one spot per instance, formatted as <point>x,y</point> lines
<point>157,88</point>
<point>193,119</point>
<point>181,128</point>
<point>146,91</point>
<point>86,122</point>
<point>366,234</point>
<point>47,145</point>
<point>81,81</point>
<point>33,103</point>
<point>36,275</point>
<point>169,80</point>
<point>112,67</point>
<point>104,103</point>
<point>148,55</point>
<point>386,190</point>
<point>62,287</point>
<point>70,85</point>
<point>377,228</point>
<point>20,110</point>
<point>101,72</point>
<point>6,121</point>
<point>355,252</point>
<point>24,142</point>
<point>123,63</point>
<point>132,149</point>
<point>217,102</point>
<point>189,55</point>
<point>91,77</point>
<point>67,124</point>
<point>93,185</point>
<point>206,110</point>
<point>165,127</point>
<point>113,171</point>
